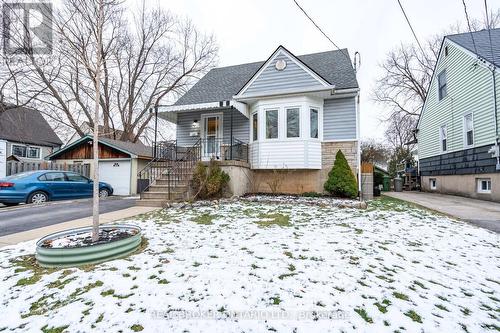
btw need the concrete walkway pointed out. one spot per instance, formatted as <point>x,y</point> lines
<point>83,222</point>
<point>485,214</point>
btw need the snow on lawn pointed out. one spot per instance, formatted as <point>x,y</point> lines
<point>253,266</point>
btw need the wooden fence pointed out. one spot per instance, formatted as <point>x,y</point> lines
<point>17,167</point>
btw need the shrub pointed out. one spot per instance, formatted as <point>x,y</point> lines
<point>209,181</point>
<point>341,181</point>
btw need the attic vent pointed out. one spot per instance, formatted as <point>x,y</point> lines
<point>280,64</point>
<point>446,51</point>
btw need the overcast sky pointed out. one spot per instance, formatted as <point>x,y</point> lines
<point>249,31</point>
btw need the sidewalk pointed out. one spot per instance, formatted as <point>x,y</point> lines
<point>86,221</point>
<point>485,214</point>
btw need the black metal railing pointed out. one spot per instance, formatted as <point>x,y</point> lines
<point>224,149</point>
<point>174,164</point>
<point>166,164</point>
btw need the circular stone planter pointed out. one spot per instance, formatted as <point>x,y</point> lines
<point>87,254</point>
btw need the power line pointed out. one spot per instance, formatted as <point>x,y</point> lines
<point>320,30</point>
<point>489,31</point>
<point>409,24</point>
<point>468,24</point>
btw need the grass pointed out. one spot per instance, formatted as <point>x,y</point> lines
<point>363,314</point>
<point>414,316</point>
<point>205,219</point>
<point>136,328</point>
<point>382,307</point>
<point>401,296</point>
<point>275,300</point>
<point>278,219</point>
<point>47,329</point>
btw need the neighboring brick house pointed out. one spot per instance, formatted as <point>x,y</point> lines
<point>458,130</point>
<point>25,134</point>
<point>293,113</point>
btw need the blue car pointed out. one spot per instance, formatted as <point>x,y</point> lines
<point>46,185</point>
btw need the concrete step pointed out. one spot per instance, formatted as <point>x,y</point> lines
<point>161,182</point>
<point>164,188</point>
<point>152,203</point>
<point>163,195</point>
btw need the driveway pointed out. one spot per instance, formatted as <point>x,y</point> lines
<point>27,217</point>
<point>485,214</point>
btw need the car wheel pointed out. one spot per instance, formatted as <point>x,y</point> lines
<point>38,197</point>
<point>103,193</point>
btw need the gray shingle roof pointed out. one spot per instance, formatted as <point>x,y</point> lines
<point>482,41</point>
<point>221,84</point>
<point>26,125</point>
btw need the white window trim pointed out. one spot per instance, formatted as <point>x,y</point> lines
<point>441,138</point>
<point>464,129</point>
<point>433,187</point>
<point>309,109</point>
<point>27,147</point>
<point>285,118</point>
<point>479,187</point>
<point>265,124</point>
<point>438,85</point>
<point>256,112</point>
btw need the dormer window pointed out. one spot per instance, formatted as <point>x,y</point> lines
<point>442,85</point>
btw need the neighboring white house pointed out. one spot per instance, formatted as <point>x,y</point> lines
<point>292,112</point>
<point>25,135</point>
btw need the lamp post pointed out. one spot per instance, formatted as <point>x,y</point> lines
<point>156,127</point>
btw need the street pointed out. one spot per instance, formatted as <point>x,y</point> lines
<point>23,218</point>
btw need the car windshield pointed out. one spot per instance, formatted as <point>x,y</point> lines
<point>20,175</point>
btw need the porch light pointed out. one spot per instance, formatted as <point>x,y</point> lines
<point>195,128</point>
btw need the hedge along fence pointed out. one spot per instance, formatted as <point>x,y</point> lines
<point>14,167</point>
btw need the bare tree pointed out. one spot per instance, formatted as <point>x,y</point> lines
<point>147,56</point>
<point>374,152</point>
<point>407,71</point>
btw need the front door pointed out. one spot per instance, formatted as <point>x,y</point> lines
<point>211,139</point>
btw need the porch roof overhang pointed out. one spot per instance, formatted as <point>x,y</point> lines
<point>170,112</point>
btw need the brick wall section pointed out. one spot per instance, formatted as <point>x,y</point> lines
<point>328,152</point>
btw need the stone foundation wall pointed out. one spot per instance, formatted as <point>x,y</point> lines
<point>328,152</point>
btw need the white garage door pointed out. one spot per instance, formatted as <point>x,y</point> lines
<point>117,174</point>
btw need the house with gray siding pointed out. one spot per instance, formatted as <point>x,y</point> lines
<point>25,135</point>
<point>458,130</point>
<point>281,120</point>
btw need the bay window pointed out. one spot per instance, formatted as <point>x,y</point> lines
<point>313,120</point>
<point>293,123</point>
<point>271,124</point>
<point>255,126</point>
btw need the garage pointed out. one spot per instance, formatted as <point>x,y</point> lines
<point>119,161</point>
<point>116,173</point>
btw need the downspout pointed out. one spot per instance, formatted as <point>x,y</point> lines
<point>231,135</point>
<point>359,147</point>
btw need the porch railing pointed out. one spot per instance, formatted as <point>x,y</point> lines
<point>224,149</point>
<point>174,164</point>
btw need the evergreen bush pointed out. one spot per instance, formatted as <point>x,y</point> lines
<point>341,180</point>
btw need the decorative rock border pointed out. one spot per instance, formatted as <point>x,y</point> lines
<point>280,199</point>
<point>90,254</point>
